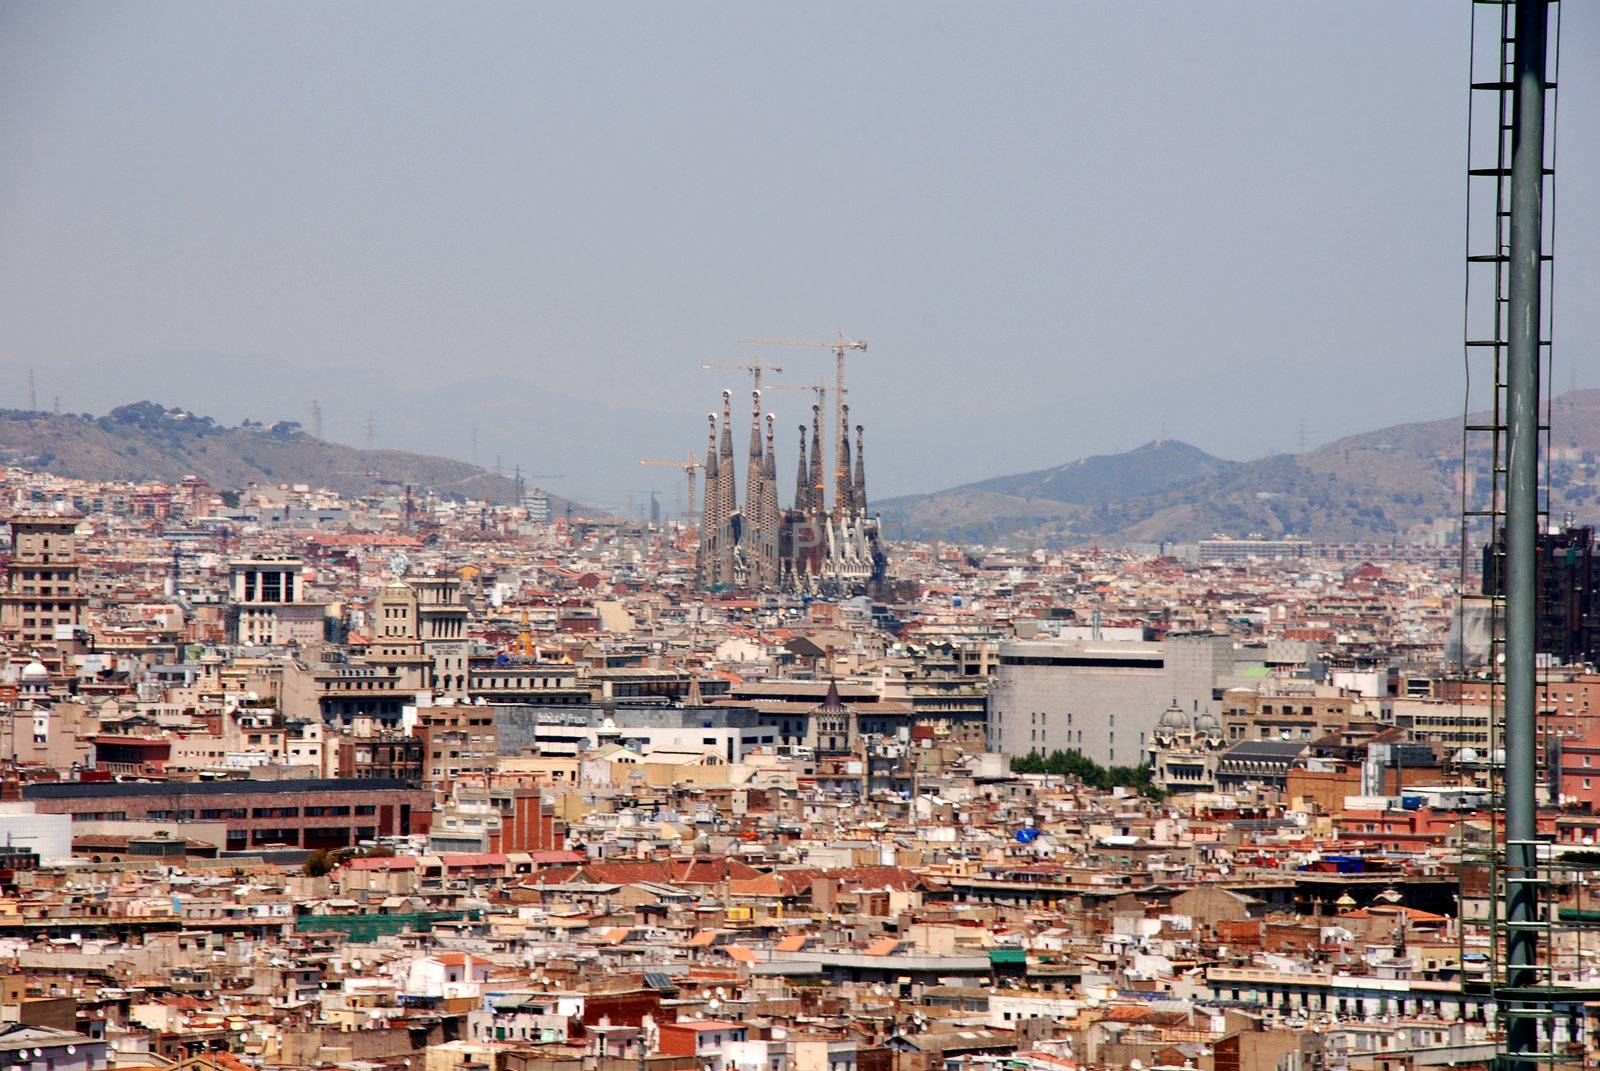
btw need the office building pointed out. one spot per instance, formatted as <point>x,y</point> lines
<point>42,601</point>
<point>1567,577</point>
<point>268,605</point>
<point>1102,699</point>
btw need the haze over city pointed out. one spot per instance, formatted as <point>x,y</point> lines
<point>1065,229</point>
<point>1133,604</point>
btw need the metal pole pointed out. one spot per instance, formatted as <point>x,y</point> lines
<point>1522,513</point>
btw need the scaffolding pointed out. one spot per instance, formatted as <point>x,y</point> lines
<point>1542,920</point>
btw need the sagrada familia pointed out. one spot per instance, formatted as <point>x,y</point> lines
<point>809,548</point>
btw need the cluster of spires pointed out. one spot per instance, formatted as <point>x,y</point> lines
<point>762,546</point>
<point>850,492</point>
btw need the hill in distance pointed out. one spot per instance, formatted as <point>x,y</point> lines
<point>1151,469</point>
<point>584,450</point>
<point>1400,483</point>
<point>146,441</point>
<point>1049,503</point>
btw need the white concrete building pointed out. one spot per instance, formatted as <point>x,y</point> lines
<point>1100,698</point>
<point>49,835</point>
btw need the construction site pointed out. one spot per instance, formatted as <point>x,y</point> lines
<point>816,546</point>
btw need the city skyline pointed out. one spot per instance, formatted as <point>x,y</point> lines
<point>1144,239</point>
<point>365,702</point>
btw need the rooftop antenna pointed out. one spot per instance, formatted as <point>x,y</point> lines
<point>316,419</point>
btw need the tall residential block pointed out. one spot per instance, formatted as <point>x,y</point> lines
<point>42,591</point>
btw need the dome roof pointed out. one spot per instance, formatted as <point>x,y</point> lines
<point>35,671</point>
<point>1206,722</point>
<point>1174,718</point>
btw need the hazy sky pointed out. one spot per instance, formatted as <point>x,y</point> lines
<point>1063,227</point>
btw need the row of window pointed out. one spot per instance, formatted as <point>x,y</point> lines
<point>41,574</point>
<point>205,814</point>
<point>45,608</point>
<point>239,838</point>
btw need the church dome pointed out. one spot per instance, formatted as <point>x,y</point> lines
<point>1173,719</point>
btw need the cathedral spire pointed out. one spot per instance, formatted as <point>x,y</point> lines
<point>711,466</point>
<point>755,424</point>
<point>861,473</point>
<point>728,491</point>
<point>818,499</point>
<point>846,490</point>
<point>771,516</point>
<point>802,480</point>
<point>752,481</point>
<point>710,523</point>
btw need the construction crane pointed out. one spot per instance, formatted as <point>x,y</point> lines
<point>625,511</point>
<point>755,369</point>
<point>689,467</point>
<point>841,432</point>
<point>520,481</point>
<point>820,388</point>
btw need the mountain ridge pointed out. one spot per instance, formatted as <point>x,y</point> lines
<point>1397,483</point>
<point>1157,465</point>
<point>145,441</point>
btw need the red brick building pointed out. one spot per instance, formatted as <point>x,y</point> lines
<point>312,813</point>
<point>1578,762</point>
